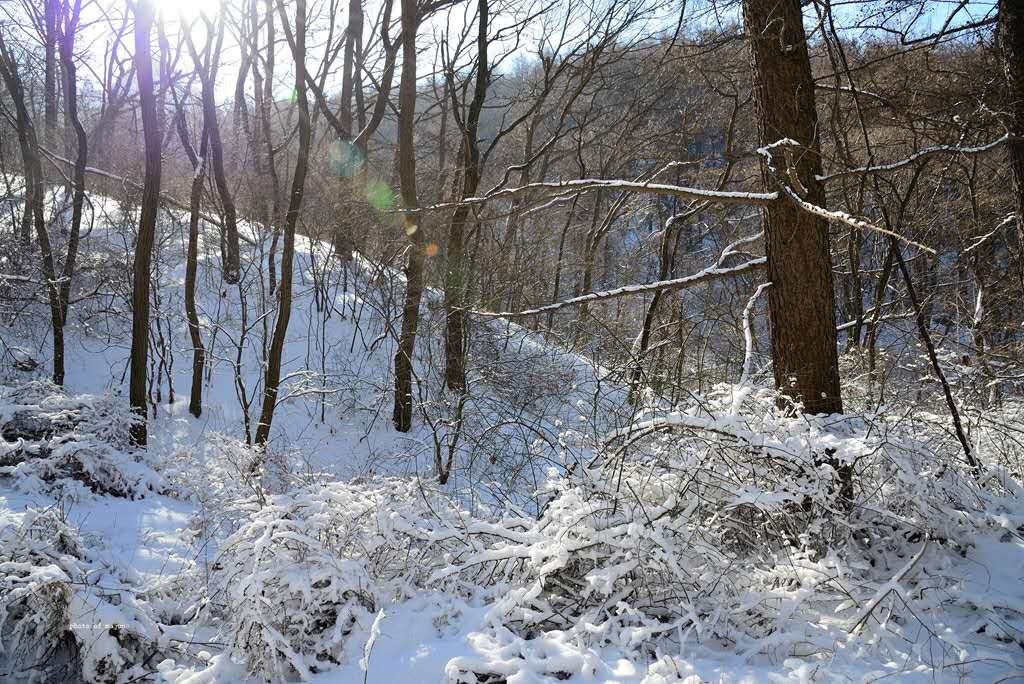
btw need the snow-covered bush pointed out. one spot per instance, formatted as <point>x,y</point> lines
<point>739,533</point>
<point>35,597</point>
<point>309,566</point>
<point>55,441</point>
<point>734,530</point>
<point>63,615</point>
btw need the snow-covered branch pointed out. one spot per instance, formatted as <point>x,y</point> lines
<point>590,184</point>
<point>918,156</point>
<point>706,275</point>
<point>829,214</point>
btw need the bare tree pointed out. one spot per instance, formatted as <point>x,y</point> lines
<point>198,161</point>
<point>68,30</point>
<point>206,66</point>
<point>297,42</point>
<point>411,222</point>
<point>455,275</point>
<point>35,194</point>
<point>51,19</point>
<point>137,391</point>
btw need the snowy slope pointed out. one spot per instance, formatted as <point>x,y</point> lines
<point>337,362</point>
<point>534,411</point>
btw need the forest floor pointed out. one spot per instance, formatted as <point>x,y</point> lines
<point>189,493</point>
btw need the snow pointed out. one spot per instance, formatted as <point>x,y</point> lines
<point>625,571</point>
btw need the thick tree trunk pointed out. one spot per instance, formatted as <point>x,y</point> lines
<point>402,413</point>
<point>144,14</point>
<point>1011,46</point>
<point>272,380</point>
<point>801,301</point>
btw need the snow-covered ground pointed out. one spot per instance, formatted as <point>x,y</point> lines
<point>471,582</point>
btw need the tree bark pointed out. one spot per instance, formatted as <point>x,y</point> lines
<point>1011,48</point>
<point>272,379</point>
<point>144,15</point>
<point>801,301</point>
<point>402,413</point>
<point>455,275</point>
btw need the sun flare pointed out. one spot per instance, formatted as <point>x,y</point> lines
<point>187,9</point>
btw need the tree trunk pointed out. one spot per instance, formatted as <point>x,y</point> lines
<point>455,276</point>
<point>557,283</point>
<point>208,77</point>
<point>587,271</point>
<point>266,101</point>
<point>387,76</point>
<point>51,9</point>
<point>665,253</point>
<point>402,413</point>
<point>272,380</point>
<point>144,15</point>
<point>195,401</point>
<point>35,191</point>
<point>801,301</point>
<point>27,192</point>
<point>1011,46</point>
<point>856,288</point>
<point>198,161</point>
<point>353,35</point>
<point>67,56</point>
<point>872,327</point>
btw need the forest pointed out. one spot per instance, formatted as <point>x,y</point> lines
<point>511,341</point>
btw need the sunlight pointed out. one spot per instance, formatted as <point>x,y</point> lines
<point>171,10</point>
<point>382,341</point>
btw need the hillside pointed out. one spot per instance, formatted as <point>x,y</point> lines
<point>579,538</point>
